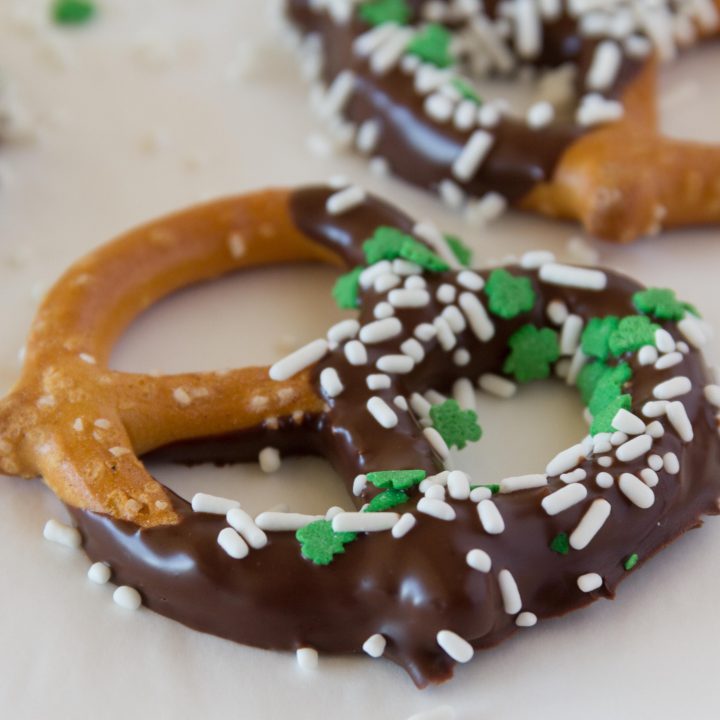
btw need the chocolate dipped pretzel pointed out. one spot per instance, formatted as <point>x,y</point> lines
<point>433,564</point>
<point>395,78</point>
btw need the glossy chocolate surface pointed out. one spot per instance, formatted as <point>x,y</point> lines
<point>422,150</point>
<point>408,589</point>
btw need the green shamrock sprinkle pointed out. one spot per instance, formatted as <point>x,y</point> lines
<point>347,288</point>
<point>596,336</point>
<point>320,543</point>
<point>532,353</point>
<point>560,544</point>
<point>388,243</point>
<point>386,500</point>
<point>662,304</point>
<point>396,479</point>
<point>494,488</point>
<point>602,422</point>
<point>72,12</point>
<point>459,249</point>
<point>377,12</point>
<point>466,91</point>
<point>631,562</point>
<point>631,334</point>
<point>432,45</point>
<point>457,427</point>
<point>588,379</point>
<point>609,386</point>
<point>509,295</point>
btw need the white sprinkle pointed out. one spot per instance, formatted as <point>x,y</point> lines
<point>330,382</point>
<point>522,482</point>
<point>414,282</point>
<point>664,341</point>
<point>245,525</point>
<point>512,602</point>
<point>378,381</point>
<point>127,597</point>
<point>479,560</point>
<point>576,365</point>
<point>103,424</point>
<point>574,476</point>
<point>380,330</point>
<point>566,460</point>
<point>490,517</point>
<point>454,318</point>
<point>649,477</point>
<point>497,385</point>
<point>269,460</point>
<point>435,492</point>
<point>464,394</point>
<point>400,402</point>
<point>526,619</point>
<point>78,425</point>
<point>386,282</point>
<point>383,310</point>
<point>636,491</point>
<point>202,502</point>
<point>456,647</point>
<point>477,316</point>
<point>338,94</point>
<point>231,542</point>
<point>604,480</point>
<point>540,114</point>
<point>618,438</point>
<point>634,449</point>
<point>628,423</point>
<point>436,508</point>
<point>472,155</point>
<point>344,330</point>
<point>589,582</point>
<point>461,357</point>
<point>307,658</point>
<point>675,387</point>
<point>678,417</point>
<point>655,462</point>
<point>355,353</point>
<point>439,107</point>
<point>436,442</point>
<point>654,408</point>
<point>371,40</point>
<point>404,298</point>
<point>479,494</point>
<point>564,498</point>
<point>446,293</point>
<point>405,267</point>
<point>382,412</point>
<point>364,521</point>
<point>299,360</point>
<point>284,521</point>
<point>374,646</point>
<point>569,276</point>
<point>62,534</point>
<point>590,524</point>
<point>712,395</point>
<point>601,443</point>
<point>534,259</point>
<point>445,335</point>
<point>595,109</point>
<point>395,364</point>
<point>367,136</point>
<point>647,355</point>
<point>99,573</point>
<point>470,280</point>
<point>570,334</point>
<point>403,526</point>
<point>87,358</point>
<point>557,312</point>
<point>528,29</point>
<point>671,463</point>
<point>605,461</point>
<point>458,484</point>
<point>359,484</point>
<point>425,332</point>
<point>693,331</point>
<point>420,406</point>
<point>372,273</point>
<point>605,65</point>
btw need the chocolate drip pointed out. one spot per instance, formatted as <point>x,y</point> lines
<point>410,588</point>
<point>422,150</point>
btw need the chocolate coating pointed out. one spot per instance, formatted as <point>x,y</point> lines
<point>410,588</point>
<point>422,150</point>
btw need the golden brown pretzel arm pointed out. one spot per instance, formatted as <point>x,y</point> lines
<point>79,424</point>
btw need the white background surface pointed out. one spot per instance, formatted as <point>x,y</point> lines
<point>169,70</point>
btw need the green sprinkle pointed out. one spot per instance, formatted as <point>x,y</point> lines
<point>347,289</point>
<point>377,12</point>
<point>396,479</point>
<point>662,304</point>
<point>632,333</point>
<point>432,45</point>
<point>457,427</point>
<point>602,422</point>
<point>460,250</point>
<point>320,543</point>
<point>389,243</point>
<point>631,562</point>
<point>532,353</point>
<point>494,488</point>
<point>595,340</point>
<point>560,544</point>
<point>466,91</point>
<point>609,386</point>
<point>509,295</point>
<point>72,12</point>
<point>588,379</point>
<point>386,500</point>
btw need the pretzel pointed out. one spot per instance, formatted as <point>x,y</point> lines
<point>433,564</point>
<point>395,78</point>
